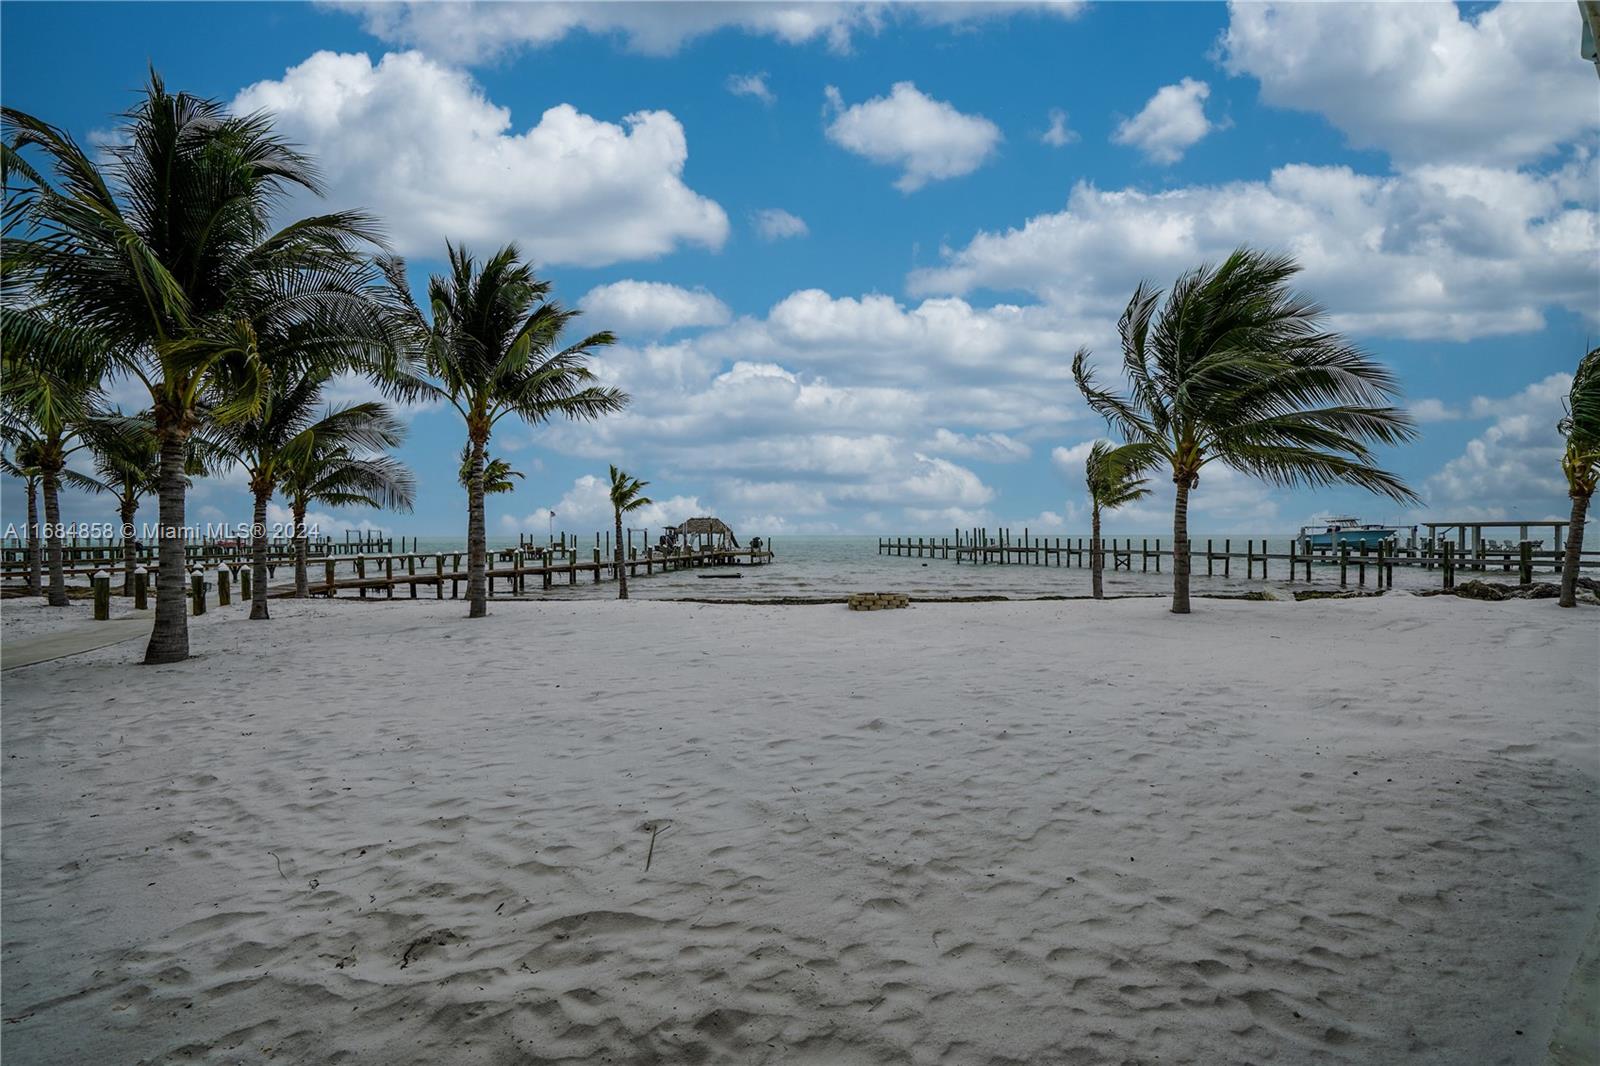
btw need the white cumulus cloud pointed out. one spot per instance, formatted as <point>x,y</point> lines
<point>1514,465</point>
<point>928,139</point>
<point>1447,251</point>
<point>776,224</point>
<point>421,145</point>
<point>1424,81</point>
<point>650,307</point>
<point>587,505</point>
<point>751,85</point>
<point>1069,461</point>
<point>1172,121</point>
<point>1058,134</point>
<point>988,447</point>
<point>472,31</point>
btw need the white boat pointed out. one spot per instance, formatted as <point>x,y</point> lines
<point>1335,530</point>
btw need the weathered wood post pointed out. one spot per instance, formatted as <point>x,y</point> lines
<point>361,575</point>
<point>197,591</point>
<point>411,571</point>
<point>1380,564</point>
<point>438,575</point>
<point>141,589</point>
<point>224,583</point>
<point>327,573</point>
<point>1344,562</point>
<point>1526,568</point>
<point>1292,542</point>
<point>597,564</point>
<point>1361,565</point>
<point>246,577</point>
<point>388,576</point>
<point>1227,557</point>
<point>102,596</point>
<point>1449,565</point>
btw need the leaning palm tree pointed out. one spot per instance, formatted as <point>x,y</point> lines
<point>23,464</point>
<point>1112,476</point>
<point>497,474</point>
<point>493,349</point>
<point>1235,367</point>
<point>327,472</point>
<point>627,494</point>
<point>164,255</point>
<point>1581,463</point>
<point>54,403</point>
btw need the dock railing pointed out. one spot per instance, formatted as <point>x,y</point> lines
<point>372,565</point>
<point>1003,548</point>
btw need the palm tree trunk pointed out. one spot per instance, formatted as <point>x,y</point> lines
<point>129,558</point>
<point>302,588</point>
<point>477,547</point>
<point>1569,563</point>
<point>622,572</point>
<point>1180,550</point>
<point>52,522</point>
<point>35,555</point>
<point>169,640</point>
<point>1097,559</point>
<point>258,557</point>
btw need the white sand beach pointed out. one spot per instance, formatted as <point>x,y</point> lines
<point>1356,831</point>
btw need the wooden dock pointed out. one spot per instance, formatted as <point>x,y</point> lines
<point>1004,548</point>
<point>357,568</point>
<point>513,568</point>
<point>82,557</point>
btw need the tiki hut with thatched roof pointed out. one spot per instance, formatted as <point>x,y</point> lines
<point>712,532</point>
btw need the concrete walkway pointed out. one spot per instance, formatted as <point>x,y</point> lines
<point>73,641</point>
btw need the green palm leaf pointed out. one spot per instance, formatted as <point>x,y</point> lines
<point>1236,367</point>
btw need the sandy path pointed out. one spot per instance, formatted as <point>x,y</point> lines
<point>1356,831</point>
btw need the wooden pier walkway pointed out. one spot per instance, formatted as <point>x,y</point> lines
<point>1003,548</point>
<point>387,573</point>
<point>509,571</point>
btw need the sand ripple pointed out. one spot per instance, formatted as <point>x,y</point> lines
<point>1084,834</point>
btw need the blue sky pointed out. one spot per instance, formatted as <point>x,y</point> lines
<point>849,249</point>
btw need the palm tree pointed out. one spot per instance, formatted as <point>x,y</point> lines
<point>128,463</point>
<point>53,403</point>
<point>1112,477</point>
<point>1235,367</point>
<point>1581,463</point>
<point>282,433</point>
<point>23,464</point>
<point>164,256</point>
<point>329,473</point>
<point>626,495</point>
<point>493,349</point>
<point>497,474</point>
